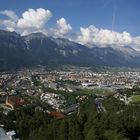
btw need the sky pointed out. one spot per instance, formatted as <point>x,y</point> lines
<point>91,22</point>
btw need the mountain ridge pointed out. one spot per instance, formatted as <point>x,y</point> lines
<point>38,49</point>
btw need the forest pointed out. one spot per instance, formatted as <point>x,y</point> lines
<point>120,122</point>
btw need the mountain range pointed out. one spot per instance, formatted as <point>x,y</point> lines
<point>38,49</point>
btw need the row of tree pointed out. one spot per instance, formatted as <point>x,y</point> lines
<point>120,122</point>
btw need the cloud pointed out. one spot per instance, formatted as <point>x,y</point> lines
<point>31,21</point>
<point>136,42</point>
<point>62,28</point>
<point>11,14</point>
<point>10,25</point>
<point>92,36</point>
<point>34,19</point>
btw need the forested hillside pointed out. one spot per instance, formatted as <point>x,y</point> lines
<point>120,122</point>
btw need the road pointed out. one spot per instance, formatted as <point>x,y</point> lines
<point>99,106</point>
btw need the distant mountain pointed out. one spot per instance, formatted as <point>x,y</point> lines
<point>13,51</point>
<point>37,49</point>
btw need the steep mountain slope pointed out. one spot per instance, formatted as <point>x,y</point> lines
<point>13,52</point>
<point>62,51</point>
<point>38,49</point>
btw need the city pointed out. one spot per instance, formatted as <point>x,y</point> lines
<point>70,70</point>
<point>60,93</point>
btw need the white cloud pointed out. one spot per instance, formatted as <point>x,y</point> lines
<point>31,21</point>
<point>9,25</point>
<point>136,42</point>
<point>35,19</point>
<point>92,36</point>
<point>62,28</point>
<point>11,14</point>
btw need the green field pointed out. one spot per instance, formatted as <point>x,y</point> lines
<point>99,91</point>
<point>135,98</point>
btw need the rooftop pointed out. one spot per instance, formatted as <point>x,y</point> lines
<point>57,115</point>
<point>3,135</point>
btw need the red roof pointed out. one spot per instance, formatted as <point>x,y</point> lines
<point>57,115</point>
<point>15,101</point>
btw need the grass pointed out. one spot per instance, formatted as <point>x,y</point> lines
<point>135,98</point>
<point>99,91</point>
<point>102,91</point>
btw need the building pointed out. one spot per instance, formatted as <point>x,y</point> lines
<point>6,136</point>
<point>57,115</point>
<point>14,102</point>
<point>71,109</point>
